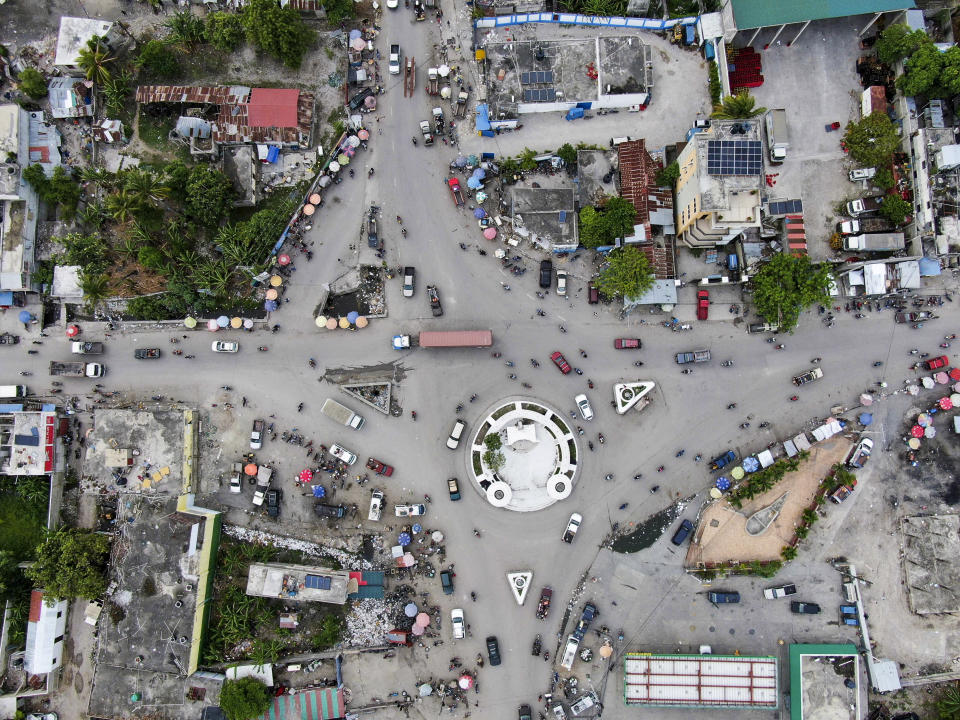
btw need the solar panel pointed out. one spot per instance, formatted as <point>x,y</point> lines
<point>317,582</point>
<point>537,77</point>
<point>785,207</point>
<point>540,95</point>
<point>734,157</point>
<point>525,78</point>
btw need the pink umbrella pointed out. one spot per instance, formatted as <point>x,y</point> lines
<point>465,682</point>
<point>309,209</point>
<point>417,630</point>
<point>490,233</point>
<point>423,619</point>
<point>945,403</point>
<point>306,475</point>
<point>212,325</point>
<point>73,330</point>
<point>315,199</point>
<point>941,377</point>
<point>364,135</point>
<point>283,259</point>
<point>916,431</point>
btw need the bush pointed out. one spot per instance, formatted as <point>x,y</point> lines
<point>244,699</point>
<point>895,209</point>
<point>567,153</point>
<point>70,563</point>
<point>224,31</point>
<point>716,88</point>
<point>209,195</point>
<point>33,83</point>
<point>668,176</point>
<point>158,60</point>
<point>278,31</point>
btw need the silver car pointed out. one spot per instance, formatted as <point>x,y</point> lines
<point>583,405</point>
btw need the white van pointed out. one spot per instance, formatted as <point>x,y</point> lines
<point>376,506</point>
<point>569,653</point>
<point>342,454</point>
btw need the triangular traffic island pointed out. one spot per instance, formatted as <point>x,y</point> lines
<point>375,394</point>
<point>520,584</point>
<point>629,395</point>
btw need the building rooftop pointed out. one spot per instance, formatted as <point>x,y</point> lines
<point>638,185</point>
<point>545,215</point>
<point>817,675</point>
<point>597,176</point>
<point>32,448</point>
<point>273,107</point>
<point>728,681</point>
<point>73,37</point>
<point>765,13</point>
<point>70,97</point>
<point>46,626</point>
<point>302,583</point>
<point>933,585</point>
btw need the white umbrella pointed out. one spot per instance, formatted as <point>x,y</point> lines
<point>930,431</point>
<point>443,70</point>
<point>866,399</point>
<point>446,92</point>
<point>913,389</point>
<point>353,141</point>
<point>425,689</point>
<point>437,536</point>
<point>927,382</point>
<point>334,166</point>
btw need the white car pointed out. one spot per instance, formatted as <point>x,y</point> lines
<point>376,506</point>
<point>573,524</point>
<point>342,454</point>
<point>409,510</point>
<point>862,174</point>
<point>583,405</point>
<point>454,440</point>
<point>459,626</point>
<point>561,282</point>
<point>224,346</point>
<point>394,64</point>
<point>392,4</point>
<point>236,479</point>
<point>408,281</point>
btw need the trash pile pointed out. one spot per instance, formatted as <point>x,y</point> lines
<point>367,623</point>
<point>346,560</point>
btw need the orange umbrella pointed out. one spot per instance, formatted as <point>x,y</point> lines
<point>276,280</point>
<point>308,209</point>
<point>272,294</point>
<point>331,323</point>
<point>362,322</point>
<point>250,469</point>
<point>344,323</point>
<point>315,199</point>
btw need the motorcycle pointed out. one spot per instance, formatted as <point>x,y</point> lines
<point>794,398</point>
<point>601,438</point>
<point>727,363</point>
<point>590,444</point>
<point>413,414</point>
<point>686,372</point>
<point>778,347</point>
<point>370,173</point>
<point>731,406</point>
<point>680,453</point>
<point>623,506</point>
<point>638,363</point>
<point>590,384</point>
<point>945,345</point>
<point>263,348</point>
<point>178,352</point>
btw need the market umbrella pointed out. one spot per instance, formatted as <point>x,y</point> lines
<point>236,323</point>
<point>923,419</point>
<point>417,529</point>
<point>446,92</point>
<point>319,491</point>
<point>436,536</point>
<point>270,305</point>
<point>914,390</point>
<point>941,377</point>
<point>26,317</point>
<point>605,650</point>
<point>751,464</point>
<point>916,431</point>
<point>737,473</point>
<point>443,70</point>
<point>715,494</point>
<point>271,294</point>
<point>460,162</point>
<point>913,443</point>
<point>723,483</point>
<point>955,399</point>
<point>72,330</point>
<point>344,323</point>
<point>248,323</point>
<point>866,418</point>
<point>190,322</point>
<point>423,619</point>
<point>358,43</point>
<point>364,134</point>
<point>352,316</point>
<point>306,475</point>
<point>930,432</point>
<point>927,382</point>
<point>353,141</point>
<point>404,539</point>
<point>321,321</point>
<point>324,181</point>
<point>954,373</point>
<point>465,682</point>
<point>473,160</point>
<point>362,322</point>
<point>212,325</point>
<point>283,259</point>
<point>343,159</point>
<point>250,469</point>
<point>315,199</point>
<point>425,690</point>
<point>370,102</point>
<point>276,281</point>
<point>866,399</point>
<point>223,321</point>
<point>309,209</point>
<point>473,183</point>
<point>481,197</point>
<point>480,173</point>
<point>331,323</point>
<point>479,213</point>
<point>945,403</point>
<point>490,233</point>
<point>417,630</point>
<point>334,167</point>
<point>410,610</point>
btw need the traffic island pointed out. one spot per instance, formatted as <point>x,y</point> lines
<point>524,456</point>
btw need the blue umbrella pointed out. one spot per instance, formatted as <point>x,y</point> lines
<point>404,539</point>
<point>352,317</point>
<point>751,464</point>
<point>25,316</point>
<point>866,418</point>
<point>473,183</point>
<point>270,305</point>
<point>319,491</point>
<point>223,321</point>
<point>417,528</point>
<point>723,483</point>
<point>479,213</point>
<point>480,173</point>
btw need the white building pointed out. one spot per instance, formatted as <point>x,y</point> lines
<point>45,632</point>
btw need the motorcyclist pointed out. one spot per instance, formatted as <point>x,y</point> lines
<point>414,141</point>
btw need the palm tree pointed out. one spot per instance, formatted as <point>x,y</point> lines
<point>101,176</point>
<point>94,288</point>
<point>737,107</point>
<point>146,186</point>
<point>94,61</point>
<point>122,205</point>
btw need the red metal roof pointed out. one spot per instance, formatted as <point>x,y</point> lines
<point>36,601</point>
<point>638,186</point>
<point>273,107</point>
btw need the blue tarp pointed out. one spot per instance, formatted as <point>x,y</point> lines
<point>6,298</point>
<point>574,114</point>
<point>273,153</point>
<point>483,117</point>
<point>929,266</point>
<point>691,36</point>
<point>708,50</point>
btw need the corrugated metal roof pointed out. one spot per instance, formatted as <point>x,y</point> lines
<point>750,14</point>
<point>273,107</point>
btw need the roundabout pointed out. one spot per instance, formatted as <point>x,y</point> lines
<point>524,456</point>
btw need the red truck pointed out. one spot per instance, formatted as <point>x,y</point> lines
<point>703,304</point>
<point>455,189</point>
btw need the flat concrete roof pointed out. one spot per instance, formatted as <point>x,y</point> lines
<point>303,583</point>
<point>592,167</point>
<point>930,546</point>
<point>73,37</point>
<point>817,676</point>
<point>547,213</point>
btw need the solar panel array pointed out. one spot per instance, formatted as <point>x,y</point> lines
<point>536,78</point>
<point>544,95</point>
<point>734,157</point>
<point>317,582</point>
<point>785,207</point>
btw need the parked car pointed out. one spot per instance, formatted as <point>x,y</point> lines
<point>627,344</point>
<point>459,626</point>
<point>722,461</point>
<point>804,608</point>
<point>493,650</point>
<point>394,63</point>
<point>434,297</point>
<point>586,617</point>
<point>380,468</point>
<point>376,506</point>
<point>722,597</point>
<point>682,533</point>
<point>703,304</point>
<point>593,295</point>
<point>256,435</point>
<point>446,582</point>
<point>573,524</point>
<point>409,274</point>
<point>524,713</point>
<point>583,405</point>
<point>779,591</point>
<point>454,440</point>
<point>330,511</point>
<point>225,346</point>
<point>561,362</point>
<point>342,454</point>
<point>861,174</point>
<point>561,282</point>
<point>409,510</point>
<point>236,478</point>
<point>373,236</point>
<point>546,273</point>
<point>937,362</point>
<point>273,502</point>
<point>453,488</point>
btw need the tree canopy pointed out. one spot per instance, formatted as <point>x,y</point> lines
<point>603,225</point>
<point>872,140</point>
<point>70,563</point>
<point>897,42</point>
<point>927,71</point>
<point>895,209</point>
<point>244,699</point>
<point>33,83</point>
<point>628,273</point>
<point>737,107</point>
<point>278,31</point>
<point>158,60</point>
<point>787,285</point>
<point>224,30</point>
<point>209,194</point>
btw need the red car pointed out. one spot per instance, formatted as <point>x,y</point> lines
<point>380,468</point>
<point>455,190</point>
<point>703,304</point>
<point>627,344</point>
<point>937,362</point>
<point>561,362</point>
